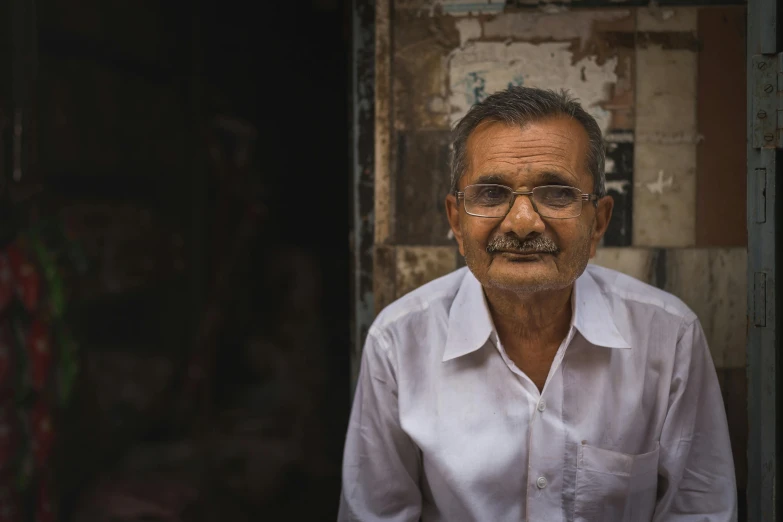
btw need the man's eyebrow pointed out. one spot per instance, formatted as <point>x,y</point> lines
<point>492,178</point>
<point>549,177</point>
<point>554,178</point>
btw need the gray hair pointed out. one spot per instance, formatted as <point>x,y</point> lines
<point>521,105</point>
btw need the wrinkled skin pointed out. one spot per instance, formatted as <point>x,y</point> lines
<point>550,151</point>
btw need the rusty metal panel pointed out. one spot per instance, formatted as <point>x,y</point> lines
<point>421,45</point>
<point>422,184</point>
<point>763,342</point>
<point>384,276</point>
<point>420,151</point>
<point>362,222</point>
<point>721,114</point>
<point>764,112</point>
<point>384,196</point>
<point>764,390</point>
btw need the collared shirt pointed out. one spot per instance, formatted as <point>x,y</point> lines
<point>630,425</point>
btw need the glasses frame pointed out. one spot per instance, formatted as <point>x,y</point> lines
<point>529,193</point>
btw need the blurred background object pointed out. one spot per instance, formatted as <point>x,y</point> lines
<point>174,265</point>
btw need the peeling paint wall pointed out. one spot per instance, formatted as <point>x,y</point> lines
<point>653,77</point>
<point>481,68</point>
<point>634,69</point>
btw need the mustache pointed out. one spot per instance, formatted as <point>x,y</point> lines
<point>514,244</point>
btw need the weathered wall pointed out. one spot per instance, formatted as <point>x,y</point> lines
<point>667,87</point>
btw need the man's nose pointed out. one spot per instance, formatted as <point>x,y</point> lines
<point>522,219</point>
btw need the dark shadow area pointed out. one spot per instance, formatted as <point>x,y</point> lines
<point>176,178</point>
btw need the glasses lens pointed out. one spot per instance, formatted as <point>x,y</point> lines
<point>487,200</point>
<point>558,202</point>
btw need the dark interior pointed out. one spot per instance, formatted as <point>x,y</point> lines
<point>198,154</point>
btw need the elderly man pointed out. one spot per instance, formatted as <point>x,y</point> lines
<point>530,386</point>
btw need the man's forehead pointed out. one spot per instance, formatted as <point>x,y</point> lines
<point>544,148</point>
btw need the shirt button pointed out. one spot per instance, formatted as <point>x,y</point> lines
<point>541,482</point>
<point>541,405</point>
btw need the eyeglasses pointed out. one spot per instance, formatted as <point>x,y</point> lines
<point>550,201</point>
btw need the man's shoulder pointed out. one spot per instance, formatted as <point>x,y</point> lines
<point>623,290</point>
<point>419,306</point>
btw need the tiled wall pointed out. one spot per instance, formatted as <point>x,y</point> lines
<point>668,88</point>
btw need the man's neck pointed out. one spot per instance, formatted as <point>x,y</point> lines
<point>536,321</point>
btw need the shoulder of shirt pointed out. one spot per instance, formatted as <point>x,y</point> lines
<point>627,289</point>
<point>433,297</point>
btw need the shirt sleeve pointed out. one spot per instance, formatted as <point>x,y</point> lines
<point>380,463</point>
<point>696,467</point>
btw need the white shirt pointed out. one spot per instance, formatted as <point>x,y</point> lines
<point>630,425</point>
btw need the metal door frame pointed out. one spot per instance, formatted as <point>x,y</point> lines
<point>765,118</point>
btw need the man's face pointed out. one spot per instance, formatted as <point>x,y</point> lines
<point>552,151</point>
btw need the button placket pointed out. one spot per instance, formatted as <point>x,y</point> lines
<point>547,438</point>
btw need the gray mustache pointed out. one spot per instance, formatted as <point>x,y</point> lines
<point>537,244</point>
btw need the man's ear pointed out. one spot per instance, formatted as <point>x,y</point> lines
<point>453,214</point>
<point>603,213</point>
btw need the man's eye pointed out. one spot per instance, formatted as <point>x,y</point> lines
<point>491,194</point>
<point>561,194</point>
<point>558,196</point>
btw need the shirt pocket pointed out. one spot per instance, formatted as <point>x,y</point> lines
<point>615,487</point>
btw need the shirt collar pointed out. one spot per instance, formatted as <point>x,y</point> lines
<point>592,315</point>
<point>470,323</point>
